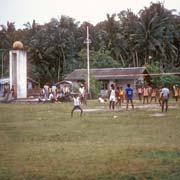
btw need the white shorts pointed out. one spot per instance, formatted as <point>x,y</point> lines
<point>112,98</point>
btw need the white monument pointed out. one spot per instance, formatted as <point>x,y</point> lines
<point>18,70</point>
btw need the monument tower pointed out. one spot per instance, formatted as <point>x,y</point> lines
<point>18,69</point>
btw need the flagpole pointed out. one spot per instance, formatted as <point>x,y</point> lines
<point>88,69</point>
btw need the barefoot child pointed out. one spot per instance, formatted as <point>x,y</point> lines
<point>77,103</point>
<point>129,96</point>
<point>165,97</point>
<point>112,97</point>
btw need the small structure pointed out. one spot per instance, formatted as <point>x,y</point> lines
<point>107,76</point>
<point>61,84</point>
<point>18,69</point>
<point>3,81</point>
<point>32,85</point>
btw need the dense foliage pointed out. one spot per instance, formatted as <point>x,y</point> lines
<point>124,39</point>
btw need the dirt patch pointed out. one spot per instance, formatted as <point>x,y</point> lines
<point>91,110</point>
<point>158,114</point>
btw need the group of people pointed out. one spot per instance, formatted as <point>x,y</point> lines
<point>9,93</point>
<point>63,94</point>
<point>54,94</point>
<point>147,94</point>
<point>117,96</point>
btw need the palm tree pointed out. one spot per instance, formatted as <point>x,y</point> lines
<point>153,35</point>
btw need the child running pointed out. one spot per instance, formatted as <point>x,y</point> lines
<point>77,103</point>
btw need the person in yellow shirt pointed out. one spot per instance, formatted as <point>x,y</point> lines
<point>145,94</point>
<point>120,96</point>
<point>176,92</point>
<point>160,96</point>
<point>153,95</point>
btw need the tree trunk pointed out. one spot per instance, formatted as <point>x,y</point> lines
<point>59,68</point>
<point>134,60</point>
<point>122,60</point>
<point>137,60</point>
<point>64,59</point>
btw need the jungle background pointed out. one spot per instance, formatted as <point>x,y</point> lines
<point>149,38</point>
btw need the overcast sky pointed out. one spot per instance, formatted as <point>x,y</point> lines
<point>93,11</point>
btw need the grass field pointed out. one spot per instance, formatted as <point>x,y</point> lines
<point>42,142</point>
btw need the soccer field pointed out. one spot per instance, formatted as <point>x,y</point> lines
<point>43,142</point>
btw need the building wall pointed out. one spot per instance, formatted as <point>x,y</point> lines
<point>121,83</point>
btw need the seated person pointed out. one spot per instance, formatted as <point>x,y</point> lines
<point>101,100</point>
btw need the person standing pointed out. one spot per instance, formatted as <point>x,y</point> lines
<point>160,96</point>
<point>13,92</point>
<point>145,94</point>
<point>120,96</point>
<point>66,90</point>
<point>176,92</point>
<point>112,97</point>
<point>139,92</point>
<point>46,91</point>
<point>6,90</point>
<point>54,90</point>
<point>77,103</point>
<point>82,92</point>
<point>129,96</point>
<point>153,94</point>
<point>165,98</point>
<point>66,93</point>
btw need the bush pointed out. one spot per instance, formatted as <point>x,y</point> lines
<point>94,87</point>
<point>169,80</point>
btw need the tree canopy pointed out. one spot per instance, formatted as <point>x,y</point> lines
<point>124,39</point>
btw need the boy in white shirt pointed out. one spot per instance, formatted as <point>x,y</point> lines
<point>165,97</point>
<point>112,97</point>
<point>77,103</point>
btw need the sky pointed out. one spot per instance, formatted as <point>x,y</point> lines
<point>93,11</point>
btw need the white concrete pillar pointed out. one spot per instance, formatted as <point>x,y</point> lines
<point>18,72</point>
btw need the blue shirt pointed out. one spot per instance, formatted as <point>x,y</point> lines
<point>129,93</point>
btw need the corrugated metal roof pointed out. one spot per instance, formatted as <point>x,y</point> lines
<point>7,80</point>
<point>63,82</point>
<point>107,73</point>
<point>4,80</point>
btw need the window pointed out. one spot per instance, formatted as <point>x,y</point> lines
<point>104,84</point>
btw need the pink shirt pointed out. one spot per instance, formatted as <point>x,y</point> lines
<point>145,92</point>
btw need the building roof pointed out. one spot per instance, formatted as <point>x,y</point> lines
<point>4,80</point>
<point>108,73</point>
<point>63,82</point>
<point>7,80</point>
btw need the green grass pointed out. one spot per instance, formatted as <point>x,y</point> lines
<point>42,142</point>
